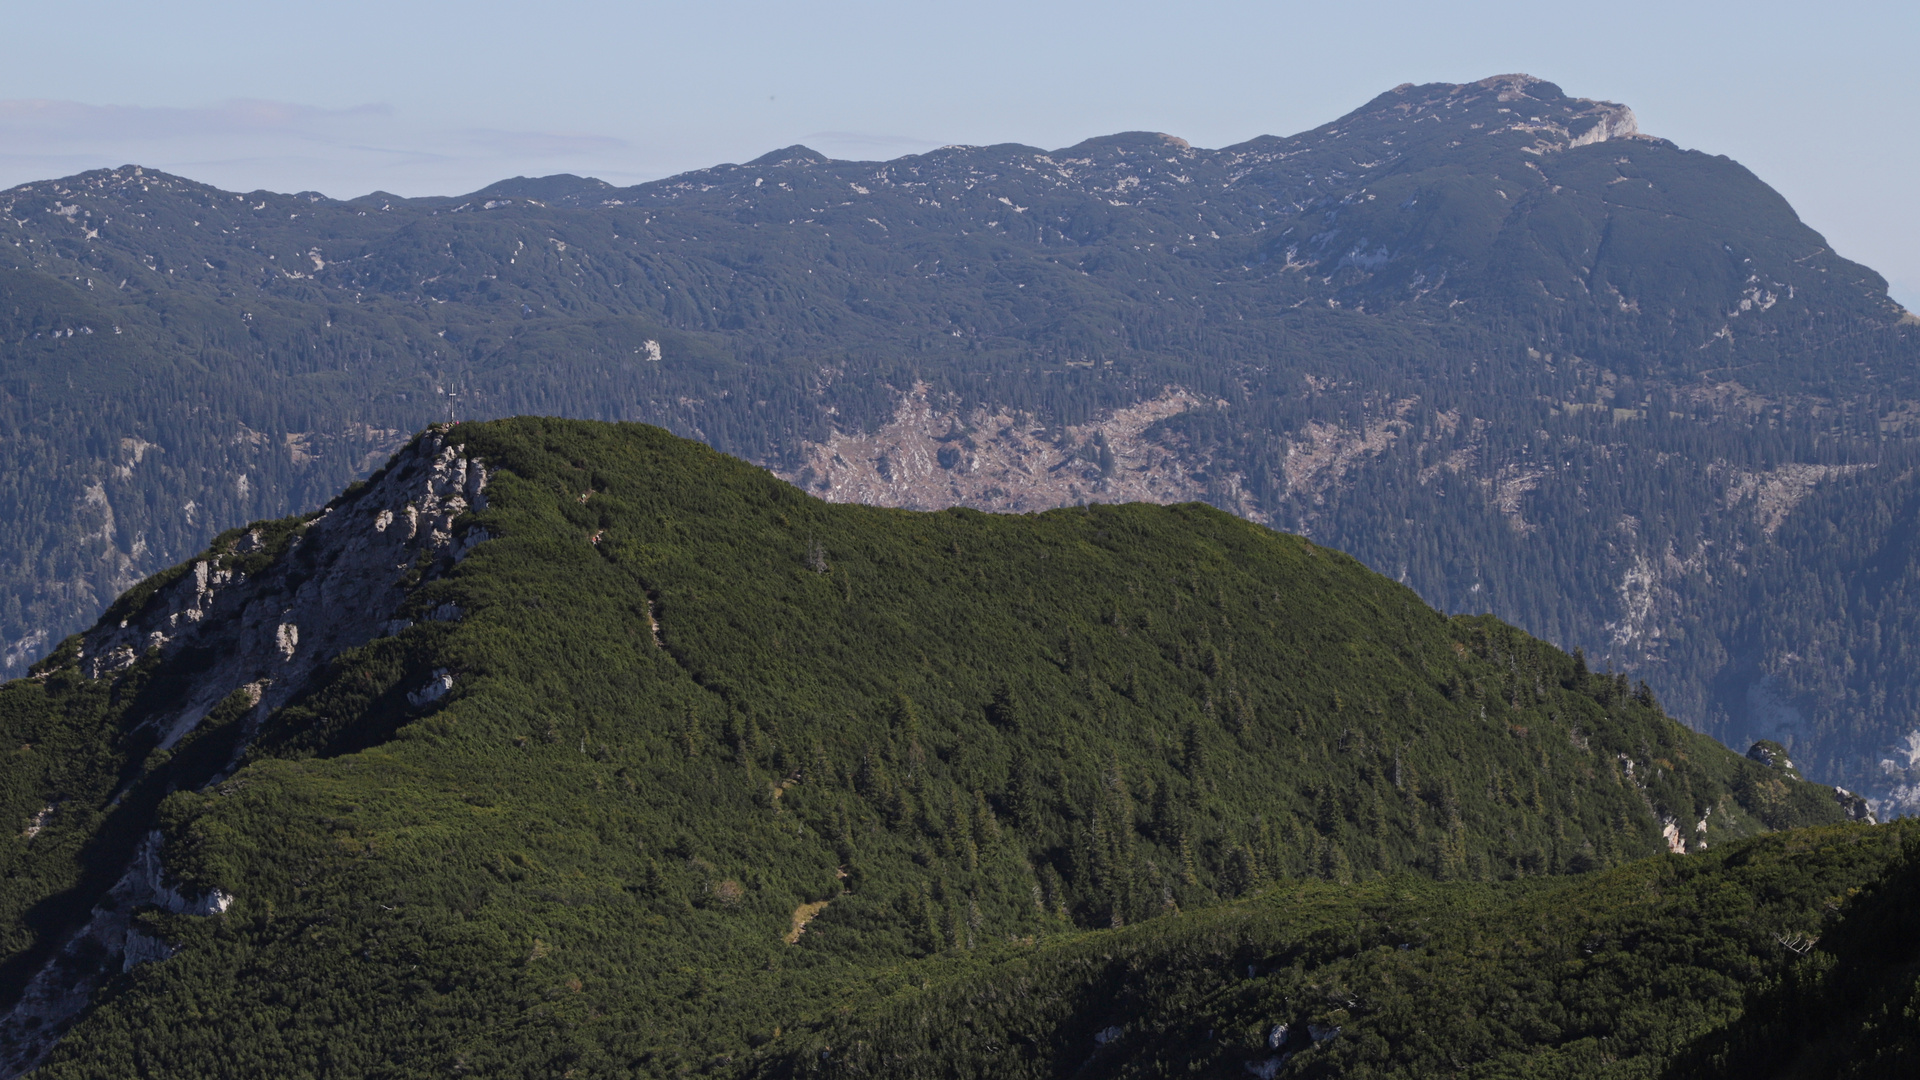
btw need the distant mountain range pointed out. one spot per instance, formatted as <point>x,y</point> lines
<point>1489,338</point>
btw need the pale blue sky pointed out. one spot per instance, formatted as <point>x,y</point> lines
<point>430,98</point>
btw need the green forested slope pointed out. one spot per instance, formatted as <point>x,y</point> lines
<point>1606,975</point>
<point>689,703</point>
<point>1850,1007</point>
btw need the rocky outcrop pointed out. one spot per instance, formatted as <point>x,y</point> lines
<point>1670,832</point>
<point>262,615</point>
<point>1773,494</point>
<point>1856,806</point>
<point>928,458</point>
<point>1899,780</point>
<point>109,943</point>
<point>1606,121</point>
<point>1520,103</point>
<point>335,582</point>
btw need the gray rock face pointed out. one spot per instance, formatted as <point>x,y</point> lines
<point>340,582</point>
<point>337,585</point>
<point>107,944</point>
<point>1857,807</point>
<point>439,685</point>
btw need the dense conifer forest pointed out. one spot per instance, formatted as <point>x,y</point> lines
<point>568,748</point>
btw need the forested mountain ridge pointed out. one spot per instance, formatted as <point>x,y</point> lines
<point>1787,956</point>
<point>1487,337</point>
<point>559,745</point>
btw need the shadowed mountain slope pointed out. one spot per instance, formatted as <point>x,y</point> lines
<point>1605,975</point>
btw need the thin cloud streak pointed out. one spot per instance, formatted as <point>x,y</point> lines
<point>251,144</point>
<point>254,144</point>
<point>53,122</point>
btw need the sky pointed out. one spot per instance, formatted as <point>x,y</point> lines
<point>348,96</point>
